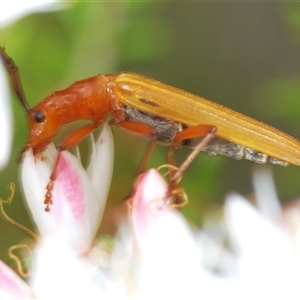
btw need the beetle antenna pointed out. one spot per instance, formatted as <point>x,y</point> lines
<point>13,71</point>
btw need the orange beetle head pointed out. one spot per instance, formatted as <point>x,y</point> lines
<point>44,120</point>
<point>44,123</point>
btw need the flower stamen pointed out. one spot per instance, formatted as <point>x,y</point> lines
<point>18,261</point>
<point>12,188</point>
<point>9,219</point>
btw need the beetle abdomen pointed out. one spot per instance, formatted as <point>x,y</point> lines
<point>218,146</point>
<point>167,129</point>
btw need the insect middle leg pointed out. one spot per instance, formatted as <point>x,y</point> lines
<point>145,130</point>
<point>206,131</point>
<point>202,130</point>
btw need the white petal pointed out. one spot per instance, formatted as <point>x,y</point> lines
<point>249,229</point>
<point>35,176</point>
<point>265,192</point>
<point>266,264</point>
<point>101,165</point>
<point>9,11</point>
<point>76,210</point>
<point>59,274</point>
<point>5,120</point>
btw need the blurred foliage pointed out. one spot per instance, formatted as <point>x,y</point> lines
<point>292,14</point>
<point>243,55</point>
<point>283,92</point>
<point>279,97</point>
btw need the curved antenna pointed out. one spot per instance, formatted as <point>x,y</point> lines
<point>13,71</point>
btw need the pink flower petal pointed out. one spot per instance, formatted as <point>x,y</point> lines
<point>68,193</point>
<point>71,216</point>
<point>11,284</point>
<point>166,249</point>
<point>153,218</point>
<point>147,202</point>
<point>77,207</point>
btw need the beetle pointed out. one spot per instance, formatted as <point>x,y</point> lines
<point>148,107</point>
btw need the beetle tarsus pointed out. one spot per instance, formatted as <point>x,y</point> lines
<point>48,196</point>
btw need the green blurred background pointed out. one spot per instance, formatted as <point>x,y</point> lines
<point>243,55</point>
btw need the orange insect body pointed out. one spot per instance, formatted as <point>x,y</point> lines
<point>148,107</point>
<point>85,99</point>
<point>95,97</point>
<point>186,108</point>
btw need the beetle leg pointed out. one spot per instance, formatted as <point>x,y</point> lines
<point>146,156</point>
<point>173,185</point>
<point>138,128</point>
<point>142,129</point>
<point>192,133</point>
<point>207,138</point>
<point>75,137</point>
<point>71,140</point>
<point>208,132</point>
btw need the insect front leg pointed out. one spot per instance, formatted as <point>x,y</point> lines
<point>71,140</point>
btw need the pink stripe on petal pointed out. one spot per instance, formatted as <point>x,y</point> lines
<point>140,203</point>
<point>12,283</point>
<point>68,190</point>
<point>148,201</point>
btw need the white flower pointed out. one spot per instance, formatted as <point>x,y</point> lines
<point>58,273</point>
<point>268,266</point>
<point>78,197</point>
<point>158,255</point>
<point>167,262</point>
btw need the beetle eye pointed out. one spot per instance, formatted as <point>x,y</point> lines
<point>39,116</point>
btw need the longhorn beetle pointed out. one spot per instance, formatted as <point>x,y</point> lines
<point>148,107</point>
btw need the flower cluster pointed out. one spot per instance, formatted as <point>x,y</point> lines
<point>156,253</point>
